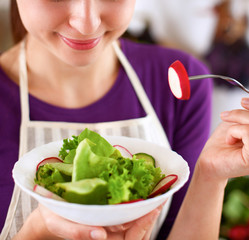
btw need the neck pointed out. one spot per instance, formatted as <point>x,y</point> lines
<point>80,85</point>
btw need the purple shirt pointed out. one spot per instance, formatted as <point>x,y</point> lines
<point>187,123</point>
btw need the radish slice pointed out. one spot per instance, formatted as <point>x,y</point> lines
<point>124,152</point>
<point>179,81</point>
<point>133,201</point>
<point>48,160</point>
<point>164,185</point>
<point>46,193</point>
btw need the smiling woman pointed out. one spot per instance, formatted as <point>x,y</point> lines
<point>70,69</point>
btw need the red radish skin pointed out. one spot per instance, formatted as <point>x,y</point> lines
<point>179,81</point>
<point>46,193</point>
<point>164,185</point>
<point>124,151</point>
<point>132,201</point>
<point>48,160</point>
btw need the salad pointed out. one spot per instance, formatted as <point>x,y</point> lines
<point>89,170</point>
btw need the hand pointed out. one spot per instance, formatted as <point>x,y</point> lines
<point>226,153</point>
<point>66,229</point>
<point>139,229</point>
<point>44,224</point>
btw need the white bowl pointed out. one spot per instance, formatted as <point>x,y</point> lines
<point>103,215</point>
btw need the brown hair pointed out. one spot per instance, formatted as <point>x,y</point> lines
<point>17,28</point>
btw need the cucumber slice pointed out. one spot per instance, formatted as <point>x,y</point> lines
<point>148,158</point>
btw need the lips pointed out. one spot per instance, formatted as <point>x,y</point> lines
<point>81,44</point>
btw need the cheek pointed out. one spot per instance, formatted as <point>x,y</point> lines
<point>120,15</point>
<point>37,17</point>
<point>42,16</point>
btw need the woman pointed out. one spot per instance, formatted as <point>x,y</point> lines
<point>73,71</point>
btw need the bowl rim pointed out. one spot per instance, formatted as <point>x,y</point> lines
<point>176,187</point>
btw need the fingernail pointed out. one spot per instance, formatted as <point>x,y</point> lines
<point>224,114</point>
<point>245,101</point>
<point>97,234</point>
<point>156,213</point>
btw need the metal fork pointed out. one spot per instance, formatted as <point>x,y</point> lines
<point>228,79</point>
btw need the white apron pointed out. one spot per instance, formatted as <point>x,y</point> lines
<point>36,133</point>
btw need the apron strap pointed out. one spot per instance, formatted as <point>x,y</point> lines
<point>24,98</point>
<point>141,94</point>
<point>23,81</point>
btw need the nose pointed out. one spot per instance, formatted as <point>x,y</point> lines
<point>85,16</point>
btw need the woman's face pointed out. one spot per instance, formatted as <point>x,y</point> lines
<point>75,31</point>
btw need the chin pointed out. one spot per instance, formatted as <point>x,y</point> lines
<point>78,62</point>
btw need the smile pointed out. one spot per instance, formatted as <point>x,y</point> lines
<point>81,44</point>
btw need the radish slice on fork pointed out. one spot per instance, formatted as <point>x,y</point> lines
<point>179,81</point>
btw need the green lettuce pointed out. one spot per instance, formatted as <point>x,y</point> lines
<point>97,173</point>
<point>87,164</point>
<point>86,191</point>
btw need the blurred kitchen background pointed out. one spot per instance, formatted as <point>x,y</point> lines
<point>215,31</point>
<point>5,34</point>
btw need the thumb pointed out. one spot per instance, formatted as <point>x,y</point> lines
<point>245,103</point>
<point>66,229</point>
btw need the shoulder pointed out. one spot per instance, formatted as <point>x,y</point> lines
<point>8,76</point>
<point>9,63</point>
<point>143,55</point>
<point>153,61</point>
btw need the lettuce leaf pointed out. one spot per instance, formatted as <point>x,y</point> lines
<point>101,147</point>
<point>86,191</point>
<point>98,173</point>
<point>67,147</point>
<point>130,179</point>
<point>87,164</point>
<point>51,173</point>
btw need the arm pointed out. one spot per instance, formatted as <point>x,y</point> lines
<point>225,155</point>
<point>200,213</point>
<point>44,224</point>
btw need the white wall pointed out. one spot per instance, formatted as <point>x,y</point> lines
<point>225,99</point>
<point>187,24</point>
<point>190,25</point>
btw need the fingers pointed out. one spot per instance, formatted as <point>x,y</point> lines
<point>119,228</point>
<point>240,116</point>
<point>139,229</point>
<point>245,103</point>
<point>238,132</point>
<point>238,138</point>
<point>66,229</point>
<point>142,227</point>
